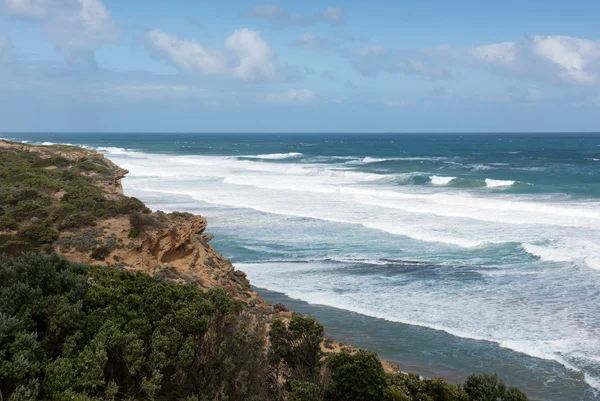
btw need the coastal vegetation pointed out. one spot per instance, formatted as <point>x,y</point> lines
<point>42,195</point>
<point>77,331</point>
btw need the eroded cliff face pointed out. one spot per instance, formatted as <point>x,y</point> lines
<point>178,250</point>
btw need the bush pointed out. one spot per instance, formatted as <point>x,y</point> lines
<point>302,391</point>
<point>57,161</point>
<point>25,194</point>
<point>13,245</point>
<point>28,209</point>
<point>89,165</point>
<point>77,220</point>
<point>141,222</point>
<point>7,224</point>
<point>100,253</point>
<point>298,345</point>
<point>486,387</point>
<point>358,377</point>
<point>40,233</point>
<point>85,333</point>
<point>411,387</point>
<point>83,197</point>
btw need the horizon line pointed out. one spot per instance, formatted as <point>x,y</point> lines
<point>302,133</point>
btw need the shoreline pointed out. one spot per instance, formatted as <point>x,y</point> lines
<point>430,352</point>
<point>433,353</point>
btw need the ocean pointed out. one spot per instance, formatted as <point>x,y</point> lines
<point>448,254</point>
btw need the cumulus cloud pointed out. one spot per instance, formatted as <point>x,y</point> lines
<point>554,59</point>
<point>75,27</point>
<point>27,9</point>
<point>291,96</point>
<point>245,55</point>
<point>277,14</point>
<point>561,59</point>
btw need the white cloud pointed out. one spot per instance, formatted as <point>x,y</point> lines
<point>245,56</point>
<point>560,59</point>
<point>27,9</point>
<point>502,53</point>
<point>255,58</point>
<point>303,96</point>
<point>75,27</point>
<point>554,59</point>
<point>187,55</point>
<point>277,14</point>
<point>83,29</point>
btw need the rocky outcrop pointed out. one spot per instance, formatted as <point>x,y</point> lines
<point>174,248</point>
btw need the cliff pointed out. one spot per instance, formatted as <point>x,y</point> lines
<point>122,233</point>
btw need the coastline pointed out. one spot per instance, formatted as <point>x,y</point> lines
<point>382,336</point>
<point>432,353</point>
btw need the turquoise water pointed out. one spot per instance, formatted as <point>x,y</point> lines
<point>463,252</point>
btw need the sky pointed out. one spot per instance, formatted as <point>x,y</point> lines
<point>301,66</point>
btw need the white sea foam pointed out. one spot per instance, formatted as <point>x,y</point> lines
<point>112,151</point>
<point>47,143</point>
<point>567,250</point>
<point>274,156</point>
<point>372,160</point>
<point>437,180</point>
<point>498,183</point>
<point>490,315</point>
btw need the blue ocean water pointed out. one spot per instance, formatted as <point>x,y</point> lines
<point>465,252</point>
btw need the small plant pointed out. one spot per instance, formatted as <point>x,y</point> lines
<point>100,253</point>
<point>141,222</point>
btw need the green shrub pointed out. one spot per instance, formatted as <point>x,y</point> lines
<point>28,209</point>
<point>40,233</point>
<point>89,165</point>
<point>514,394</point>
<point>77,220</point>
<point>84,333</point>
<point>412,387</point>
<point>7,224</point>
<point>13,245</point>
<point>141,222</point>
<point>358,377</point>
<point>57,161</point>
<point>100,253</point>
<point>126,205</point>
<point>298,345</point>
<point>486,387</point>
<point>25,194</point>
<point>302,391</point>
<point>83,197</point>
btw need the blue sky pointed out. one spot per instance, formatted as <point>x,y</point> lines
<point>310,66</point>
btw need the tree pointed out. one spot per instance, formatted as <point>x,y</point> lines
<point>358,377</point>
<point>298,345</point>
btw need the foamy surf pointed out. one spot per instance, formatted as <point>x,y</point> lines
<point>490,183</point>
<point>436,180</point>
<point>273,156</point>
